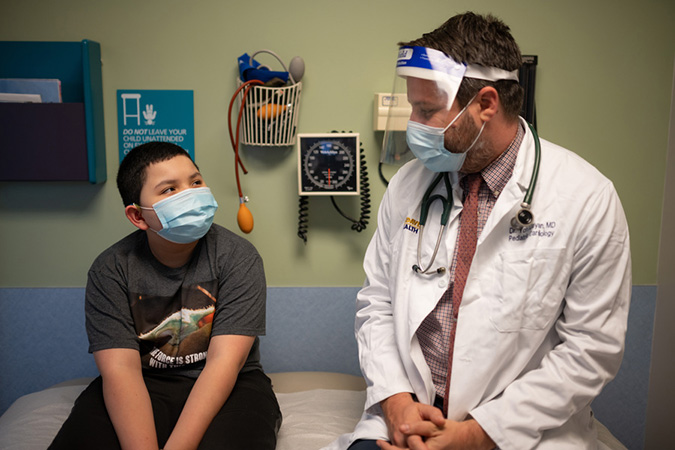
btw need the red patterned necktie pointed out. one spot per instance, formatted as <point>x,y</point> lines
<point>466,247</point>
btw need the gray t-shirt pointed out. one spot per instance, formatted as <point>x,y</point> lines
<point>168,315</point>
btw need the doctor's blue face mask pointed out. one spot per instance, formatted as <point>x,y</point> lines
<point>186,216</point>
<point>428,145</point>
<point>431,79</point>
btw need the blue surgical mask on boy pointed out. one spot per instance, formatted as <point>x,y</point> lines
<point>428,145</point>
<point>186,216</point>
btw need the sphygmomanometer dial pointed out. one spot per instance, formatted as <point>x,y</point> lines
<point>328,164</point>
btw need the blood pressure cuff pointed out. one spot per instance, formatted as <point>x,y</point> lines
<point>250,69</point>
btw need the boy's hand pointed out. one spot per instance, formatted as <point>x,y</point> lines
<point>126,397</point>
<point>226,356</point>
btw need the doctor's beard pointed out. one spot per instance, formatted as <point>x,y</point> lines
<point>460,138</point>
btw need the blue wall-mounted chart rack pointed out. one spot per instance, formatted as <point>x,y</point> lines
<point>54,141</point>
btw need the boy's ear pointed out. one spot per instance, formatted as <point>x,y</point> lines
<point>135,216</point>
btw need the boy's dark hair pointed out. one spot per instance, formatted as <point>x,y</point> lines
<point>131,175</point>
<point>484,40</point>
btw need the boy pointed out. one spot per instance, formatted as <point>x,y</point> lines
<point>157,303</point>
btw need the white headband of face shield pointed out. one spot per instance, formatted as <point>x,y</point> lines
<point>430,64</point>
<point>414,61</point>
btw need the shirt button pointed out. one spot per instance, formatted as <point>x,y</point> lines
<point>442,283</point>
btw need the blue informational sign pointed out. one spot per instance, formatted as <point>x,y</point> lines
<point>155,115</point>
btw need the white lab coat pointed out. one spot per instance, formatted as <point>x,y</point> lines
<point>542,322</point>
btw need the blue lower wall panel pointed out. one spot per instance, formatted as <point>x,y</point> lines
<point>622,405</point>
<point>308,329</point>
<point>43,340</point>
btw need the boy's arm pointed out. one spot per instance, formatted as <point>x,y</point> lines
<point>126,398</point>
<point>226,356</point>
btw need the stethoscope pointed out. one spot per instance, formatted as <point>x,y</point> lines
<point>522,220</point>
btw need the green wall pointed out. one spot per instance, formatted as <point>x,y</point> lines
<point>603,90</point>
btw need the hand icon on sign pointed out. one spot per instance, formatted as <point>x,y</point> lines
<point>149,115</point>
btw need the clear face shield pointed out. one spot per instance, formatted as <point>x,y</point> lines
<point>429,79</point>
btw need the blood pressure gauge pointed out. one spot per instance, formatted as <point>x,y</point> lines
<point>328,164</point>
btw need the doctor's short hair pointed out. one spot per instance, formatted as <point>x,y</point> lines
<point>475,39</point>
<point>132,174</point>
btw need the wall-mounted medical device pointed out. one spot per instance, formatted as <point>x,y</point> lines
<point>392,107</point>
<point>527,76</point>
<point>328,164</point>
<point>332,164</point>
<point>268,112</point>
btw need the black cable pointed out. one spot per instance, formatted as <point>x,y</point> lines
<point>379,170</point>
<point>303,218</point>
<point>360,224</point>
<point>365,194</point>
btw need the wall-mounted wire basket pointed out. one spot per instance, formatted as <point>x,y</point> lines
<point>270,116</point>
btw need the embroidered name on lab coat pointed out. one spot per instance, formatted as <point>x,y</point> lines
<point>541,230</point>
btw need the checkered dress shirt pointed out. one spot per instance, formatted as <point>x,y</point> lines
<point>434,332</point>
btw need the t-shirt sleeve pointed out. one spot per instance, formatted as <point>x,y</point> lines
<point>242,297</point>
<point>108,318</point>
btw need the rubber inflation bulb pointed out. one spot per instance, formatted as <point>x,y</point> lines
<point>244,219</point>
<point>297,68</point>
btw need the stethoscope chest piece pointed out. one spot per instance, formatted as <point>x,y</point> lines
<point>418,269</point>
<point>523,218</point>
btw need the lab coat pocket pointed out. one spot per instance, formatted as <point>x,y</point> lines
<point>529,290</point>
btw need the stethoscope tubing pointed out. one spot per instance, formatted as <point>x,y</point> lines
<point>535,170</point>
<point>418,267</point>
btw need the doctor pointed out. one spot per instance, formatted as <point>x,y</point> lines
<point>504,346</point>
